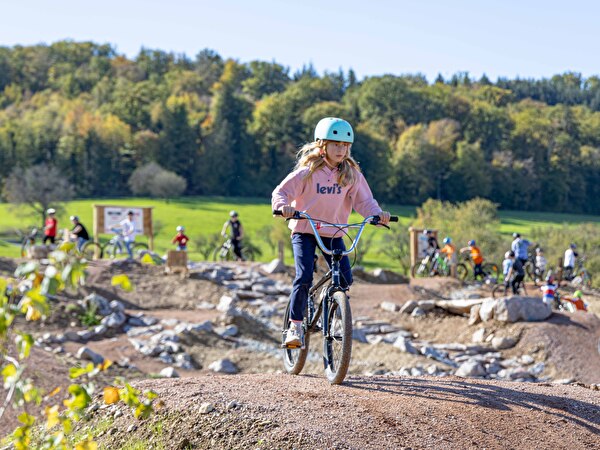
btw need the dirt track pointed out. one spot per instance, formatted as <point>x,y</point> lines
<point>380,412</point>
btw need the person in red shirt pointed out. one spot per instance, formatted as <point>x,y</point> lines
<point>180,239</point>
<point>50,226</point>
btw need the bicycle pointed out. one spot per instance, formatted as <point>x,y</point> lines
<point>116,246</point>
<point>581,277</point>
<point>490,270</point>
<point>431,265</point>
<point>502,290</point>
<point>28,241</point>
<point>225,252</point>
<point>332,316</point>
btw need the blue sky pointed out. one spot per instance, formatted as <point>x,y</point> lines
<point>500,38</point>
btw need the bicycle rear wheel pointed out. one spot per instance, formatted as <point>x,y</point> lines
<point>337,341</point>
<point>419,270</point>
<point>461,272</point>
<point>491,270</point>
<point>294,358</point>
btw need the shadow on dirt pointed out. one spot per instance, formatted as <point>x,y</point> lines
<point>490,396</point>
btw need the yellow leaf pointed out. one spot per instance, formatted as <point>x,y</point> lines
<point>67,247</point>
<point>147,259</point>
<point>54,391</point>
<point>86,445</point>
<point>111,395</point>
<point>32,313</point>
<point>123,282</point>
<point>52,415</point>
<point>105,364</point>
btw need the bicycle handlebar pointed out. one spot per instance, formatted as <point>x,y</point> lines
<point>300,215</point>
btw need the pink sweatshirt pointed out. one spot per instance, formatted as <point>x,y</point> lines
<point>323,199</point>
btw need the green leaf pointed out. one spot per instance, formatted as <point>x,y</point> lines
<point>24,342</point>
<point>25,269</point>
<point>79,398</point>
<point>26,419</point>
<point>76,372</point>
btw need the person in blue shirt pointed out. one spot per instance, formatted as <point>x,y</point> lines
<point>519,246</point>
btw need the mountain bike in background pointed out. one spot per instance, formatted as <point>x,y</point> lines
<point>328,309</point>
<point>463,269</point>
<point>115,248</point>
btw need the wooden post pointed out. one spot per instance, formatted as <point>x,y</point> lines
<point>559,274</point>
<point>280,249</point>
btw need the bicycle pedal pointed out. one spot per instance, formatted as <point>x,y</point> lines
<point>293,347</point>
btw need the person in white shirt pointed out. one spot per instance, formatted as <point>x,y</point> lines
<point>128,230</point>
<point>540,264</point>
<point>569,262</point>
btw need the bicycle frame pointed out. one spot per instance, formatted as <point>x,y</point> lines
<point>334,272</point>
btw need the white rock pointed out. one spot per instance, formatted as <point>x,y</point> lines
<point>486,310</point>
<point>405,345</point>
<point>389,306</point>
<point>90,355</point>
<point>479,336</point>
<point>470,368</point>
<point>426,305</point>
<point>514,309</point>
<point>205,408</point>
<point>526,360</point>
<point>417,312</point>
<point>223,366</point>
<point>502,343</point>
<point>115,320</point>
<point>101,304</point>
<point>226,303</point>
<point>169,372</point>
<point>275,266</point>
<point>116,305</point>
<point>408,307</point>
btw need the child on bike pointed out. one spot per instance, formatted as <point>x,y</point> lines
<point>516,272</point>
<point>237,233</point>
<point>128,231</point>
<point>569,262</point>
<point>549,290</point>
<point>180,239</point>
<point>50,226</point>
<point>449,251</point>
<point>476,257</point>
<point>79,232</point>
<point>327,184</point>
<point>540,263</point>
<point>577,300</point>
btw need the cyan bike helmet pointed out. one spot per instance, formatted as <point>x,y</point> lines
<point>334,129</point>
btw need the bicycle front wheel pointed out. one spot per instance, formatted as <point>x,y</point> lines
<point>91,251</point>
<point>294,358</point>
<point>112,250</point>
<point>419,270</point>
<point>26,246</point>
<point>337,342</point>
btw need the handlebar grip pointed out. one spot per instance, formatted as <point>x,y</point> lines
<point>393,218</point>
<point>277,212</point>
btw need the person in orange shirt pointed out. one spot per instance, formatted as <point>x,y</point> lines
<point>577,300</point>
<point>449,250</point>
<point>476,257</point>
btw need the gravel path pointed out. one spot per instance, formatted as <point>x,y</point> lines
<point>392,412</point>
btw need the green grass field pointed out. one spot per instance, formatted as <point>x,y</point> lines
<point>204,216</point>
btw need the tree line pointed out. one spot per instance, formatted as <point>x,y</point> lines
<point>230,128</point>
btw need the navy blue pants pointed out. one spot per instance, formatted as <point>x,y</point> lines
<point>304,246</point>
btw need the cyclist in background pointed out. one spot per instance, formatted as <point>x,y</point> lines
<point>540,263</point>
<point>128,231</point>
<point>237,233</point>
<point>476,257</point>
<point>519,246</point>
<point>516,272</point>
<point>50,226</point>
<point>569,262</point>
<point>181,239</point>
<point>79,232</point>
<point>449,251</point>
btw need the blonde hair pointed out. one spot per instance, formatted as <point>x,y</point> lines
<point>312,155</point>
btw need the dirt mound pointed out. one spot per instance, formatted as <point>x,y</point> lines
<point>153,289</point>
<point>280,411</point>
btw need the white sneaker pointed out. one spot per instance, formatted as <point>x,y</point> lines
<point>294,335</point>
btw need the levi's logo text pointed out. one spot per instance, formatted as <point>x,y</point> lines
<point>335,189</point>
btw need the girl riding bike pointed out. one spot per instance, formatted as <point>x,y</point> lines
<point>326,183</point>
